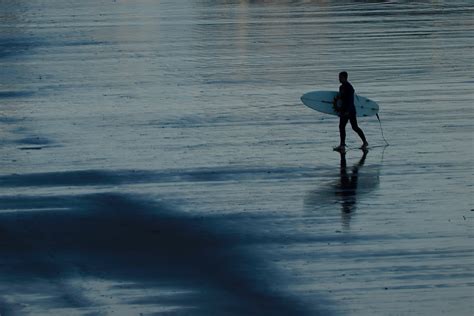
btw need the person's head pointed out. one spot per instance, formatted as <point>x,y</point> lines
<point>343,76</point>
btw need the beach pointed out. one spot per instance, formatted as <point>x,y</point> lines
<point>156,159</point>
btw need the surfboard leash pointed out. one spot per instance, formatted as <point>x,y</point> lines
<point>381,129</point>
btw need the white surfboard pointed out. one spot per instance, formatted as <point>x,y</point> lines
<point>322,101</point>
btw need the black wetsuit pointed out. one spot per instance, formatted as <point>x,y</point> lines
<point>348,112</point>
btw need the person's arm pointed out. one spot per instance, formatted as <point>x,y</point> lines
<point>342,97</point>
<point>335,101</point>
<point>336,107</point>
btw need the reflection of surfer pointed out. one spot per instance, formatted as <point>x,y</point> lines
<point>347,188</point>
<point>347,112</point>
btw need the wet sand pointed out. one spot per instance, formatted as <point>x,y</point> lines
<point>155,159</point>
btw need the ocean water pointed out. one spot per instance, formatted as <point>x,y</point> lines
<point>155,158</point>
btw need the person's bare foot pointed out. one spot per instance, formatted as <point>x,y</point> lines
<point>340,148</point>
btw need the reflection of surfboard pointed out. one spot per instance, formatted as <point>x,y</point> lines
<point>322,101</point>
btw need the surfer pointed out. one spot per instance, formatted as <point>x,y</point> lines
<point>347,112</point>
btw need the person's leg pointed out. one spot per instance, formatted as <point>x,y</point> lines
<point>357,129</point>
<point>343,119</point>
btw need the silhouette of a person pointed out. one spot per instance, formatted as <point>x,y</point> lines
<point>347,188</point>
<point>347,112</point>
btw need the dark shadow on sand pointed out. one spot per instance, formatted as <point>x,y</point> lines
<point>115,177</point>
<point>125,238</point>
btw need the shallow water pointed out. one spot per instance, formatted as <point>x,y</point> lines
<point>155,157</point>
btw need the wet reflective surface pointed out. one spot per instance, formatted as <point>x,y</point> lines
<point>155,158</point>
